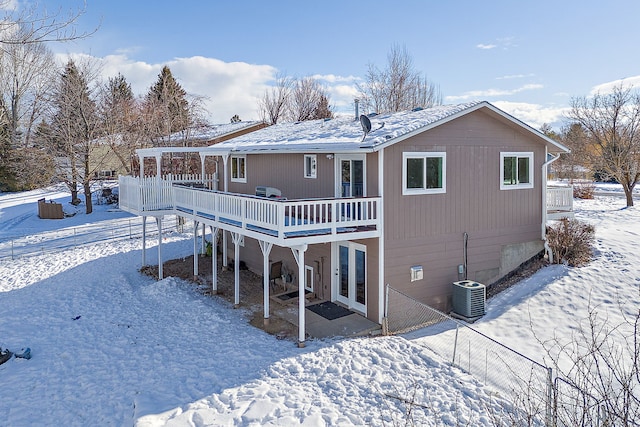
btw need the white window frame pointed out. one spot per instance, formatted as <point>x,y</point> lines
<point>424,155</point>
<point>519,155</point>
<point>238,177</point>
<point>310,166</point>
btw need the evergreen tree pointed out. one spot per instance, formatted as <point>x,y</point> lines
<point>119,119</point>
<point>235,119</point>
<point>167,106</point>
<point>119,99</point>
<point>7,178</point>
<point>323,110</point>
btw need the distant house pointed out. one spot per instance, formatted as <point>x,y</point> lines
<point>110,152</point>
<point>455,189</point>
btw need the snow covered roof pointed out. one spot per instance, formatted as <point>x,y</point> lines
<point>346,134</point>
<point>210,132</point>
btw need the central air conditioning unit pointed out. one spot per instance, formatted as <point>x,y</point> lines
<point>469,298</point>
<point>269,192</point>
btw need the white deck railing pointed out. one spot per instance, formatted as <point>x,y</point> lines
<point>559,201</point>
<point>279,218</point>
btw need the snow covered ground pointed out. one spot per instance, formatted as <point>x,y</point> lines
<point>113,347</point>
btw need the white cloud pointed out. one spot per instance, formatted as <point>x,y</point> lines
<point>489,93</point>
<point>608,87</point>
<point>227,88</point>
<point>332,78</point>
<point>535,115</point>
<point>515,76</point>
<point>502,42</point>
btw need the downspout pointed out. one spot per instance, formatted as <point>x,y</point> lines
<point>381,261</point>
<point>544,203</point>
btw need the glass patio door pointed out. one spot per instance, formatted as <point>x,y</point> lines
<point>350,176</point>
<point>351,275</point>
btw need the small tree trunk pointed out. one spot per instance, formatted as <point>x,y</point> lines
<point>87,198</point>
<point>74,192</point>
<point>629,195</point>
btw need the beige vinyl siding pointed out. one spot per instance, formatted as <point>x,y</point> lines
<point>286,173</point>
<point>319,257</point>
<point>428,229</point>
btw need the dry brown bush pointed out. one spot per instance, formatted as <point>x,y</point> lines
<point>584,190</point>
<point>571,242</point>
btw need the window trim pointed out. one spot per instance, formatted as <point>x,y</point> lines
<point>518,155</point>
<point>313,173</point>
<point>236,157</point>
<point>424,155</point>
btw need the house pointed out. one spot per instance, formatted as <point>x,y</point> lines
<point>112,155</point>
<point>451,191</point>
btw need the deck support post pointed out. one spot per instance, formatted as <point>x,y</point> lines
<point>195,249</point>
<point>203,242</point>
<point>225,262</point>
<point>298,254</point>
<point>236,238</point>
<point>214,260</point>
<point>144,241</point>
<point>266,250</point>
<point>159,223</point>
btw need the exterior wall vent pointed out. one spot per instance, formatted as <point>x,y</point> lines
<point>469,298</point>
<point>269,192</point>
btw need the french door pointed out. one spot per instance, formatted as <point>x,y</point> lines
<point>350,175</point>
<point>350,279</point>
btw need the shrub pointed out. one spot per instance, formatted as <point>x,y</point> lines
<point>571,242</point>
<point>584,190</point>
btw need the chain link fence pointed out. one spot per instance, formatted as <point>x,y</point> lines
<point>72,237</point>
<point>524,382</point>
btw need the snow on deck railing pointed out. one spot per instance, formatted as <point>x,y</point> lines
<point>280,218</point>
<point>560,199</point>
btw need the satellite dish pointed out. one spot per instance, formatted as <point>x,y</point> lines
<point>366,125</point>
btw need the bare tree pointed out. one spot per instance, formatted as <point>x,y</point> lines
<point>308,101</point>
<point>573,136</point>
<point>26,72</point>
<point>274,102</point>
<point>599,371</point>
<point>25,26</point>
<point>612,126</point>
<point>294,99</point>
<point>399,86</point>
<point>75,129</point>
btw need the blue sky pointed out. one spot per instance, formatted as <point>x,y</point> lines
<point>527,57</point>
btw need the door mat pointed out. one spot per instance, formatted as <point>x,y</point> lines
<point>329,310</point>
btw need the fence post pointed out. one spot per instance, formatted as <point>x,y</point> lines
<point>385,318</point>
<point>551,392</point>
<point>455,346</point>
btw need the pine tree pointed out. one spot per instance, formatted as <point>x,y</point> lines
<point>167,106</point>
<point>7,178</point>
<point>323,110</point>
<point>119,99</point>
<point>120,119</point>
